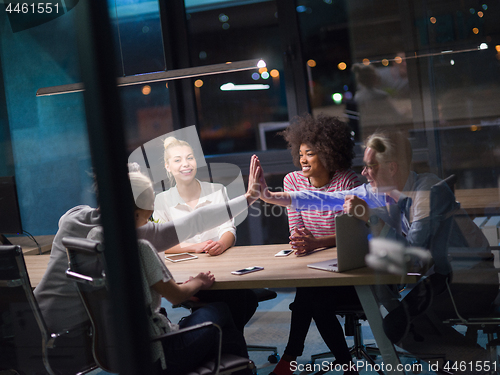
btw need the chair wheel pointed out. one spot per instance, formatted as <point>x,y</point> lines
<point>273,358</point>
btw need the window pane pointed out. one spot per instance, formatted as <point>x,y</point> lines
<point>229,120</point>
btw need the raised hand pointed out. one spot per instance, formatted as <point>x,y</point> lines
<point>253,191</point>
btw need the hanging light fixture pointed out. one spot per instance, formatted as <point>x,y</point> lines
<point>168,75</point>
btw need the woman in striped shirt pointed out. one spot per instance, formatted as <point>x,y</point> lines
<point>323,149</point>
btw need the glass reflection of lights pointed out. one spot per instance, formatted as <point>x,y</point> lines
<point>166,85</point>
<point>342,66</point>
<point>480,14</point>
<point>497,47</point>
<point>366,61</point>
<point>348,95</point>
<point>255,76</point>
<point>146,90</point>
<point>452,62</point>
<point>261,64</point>
<point>385,62</point>
<point>485,7</point>
<point>225,26</point>
<point>311,63</point>
<point>265,75</point>
<point>433,19</point>
<point>254,86</point>
<point>472,10</point>
<point>274,73</point>
<point>223,17</point>
<point>475,30</point>
<point>301,9</point>
<point>398,59</point>
<point>346,88</point>
<point>337,98</point>
<point>483,46</point>
<point>198,83</point>
<point>475,128</point>
<point>262,70</point>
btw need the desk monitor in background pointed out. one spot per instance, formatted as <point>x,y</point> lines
<point>10,216</point>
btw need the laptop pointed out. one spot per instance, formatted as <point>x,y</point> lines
<point>352,246</point>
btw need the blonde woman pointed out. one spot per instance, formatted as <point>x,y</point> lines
<point>187,195</point>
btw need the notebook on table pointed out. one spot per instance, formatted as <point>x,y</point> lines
<point>352,246</point>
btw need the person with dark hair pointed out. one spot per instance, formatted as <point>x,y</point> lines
<point>322,148</point>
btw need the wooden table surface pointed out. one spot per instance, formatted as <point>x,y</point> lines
<point>279,272</point>
<point>29,246</point>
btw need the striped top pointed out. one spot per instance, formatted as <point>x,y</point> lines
<point>320,223</point>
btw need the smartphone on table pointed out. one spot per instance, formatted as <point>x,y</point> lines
<point>180,257</point>
<point>283,253</point>
<point>247,270</point>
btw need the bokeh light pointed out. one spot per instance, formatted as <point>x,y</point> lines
<point>311,63</point>
<point>398,59</point>
<point>337,98</point>
<point>475,30</point>
<point>366,61</point>
<point>146,90</point>
<point>274,73</point>
<point>385,62</point>
<point>255,76</point>
<point>262,70</point>
<point>480,14</point>
<point>198,83</point>
<point>265,75</point>
<point>433,19</point>
<point>342,66</point>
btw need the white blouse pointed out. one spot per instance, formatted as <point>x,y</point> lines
<point>170,206</point>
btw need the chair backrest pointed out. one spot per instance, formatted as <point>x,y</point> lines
<point>86,265</point>
<point>23,334</point>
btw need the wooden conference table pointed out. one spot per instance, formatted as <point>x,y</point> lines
<point>279,272</point>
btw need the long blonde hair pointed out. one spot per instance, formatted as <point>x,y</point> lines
<point>169,143</point>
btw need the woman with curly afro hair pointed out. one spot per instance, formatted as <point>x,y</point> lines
<point>322,148</point>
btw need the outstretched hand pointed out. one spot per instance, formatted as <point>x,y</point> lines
<point>254,178</point>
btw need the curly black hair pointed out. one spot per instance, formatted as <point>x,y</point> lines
<point>330,138</point>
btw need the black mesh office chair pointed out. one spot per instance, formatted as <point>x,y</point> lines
<point>26,345</point>
<point>87,267</point>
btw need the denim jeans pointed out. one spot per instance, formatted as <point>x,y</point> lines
<point>186,351</point>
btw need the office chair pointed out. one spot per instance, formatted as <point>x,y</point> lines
<point>352,327</point>
<point>263,294</point>
<point>26,345</point>
<point>86,266</point>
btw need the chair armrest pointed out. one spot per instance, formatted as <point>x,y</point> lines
<point>79,278</point>
<point>187,329</point>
